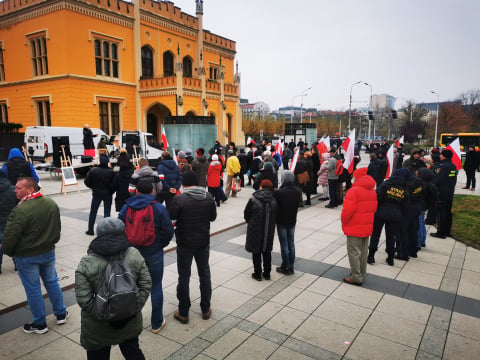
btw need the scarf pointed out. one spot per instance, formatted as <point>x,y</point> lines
<point>30,196</point>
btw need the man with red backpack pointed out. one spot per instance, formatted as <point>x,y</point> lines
<point>149,229</point>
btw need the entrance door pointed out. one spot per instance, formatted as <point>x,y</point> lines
<point>152,125</point>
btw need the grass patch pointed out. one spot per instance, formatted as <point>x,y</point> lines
<point>466,219</point>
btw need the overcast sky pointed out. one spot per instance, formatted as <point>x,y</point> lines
<point>404,48</point>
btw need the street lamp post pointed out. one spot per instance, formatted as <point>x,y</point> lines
<point>316,105</point>
<point>350,105</point>
<point>301,105</point>
<point>436,121</point>
<point>369,107</point>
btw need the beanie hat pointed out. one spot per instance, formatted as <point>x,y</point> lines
<point>447,153</point>
<point>288,177</point>
<point>104,160</point>
<point>415,151</point>
<point>215,157</point>
<point>188,152</point>
<point>110,225</point>
<point>357,174</point>
<point>266,184</point>
<point>145,187</point>
<point>190,179</point>
<point>181,155</point>
<point>402,172</point>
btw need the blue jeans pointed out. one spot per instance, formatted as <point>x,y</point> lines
<point>184,267</point>
<point>422,230</point>
<point>286,235</point>
<point>155,267</point>
<point>30,270</point>
<point>332,191</point>
<point>107,206</point>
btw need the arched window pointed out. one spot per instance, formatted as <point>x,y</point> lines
<point>147,63</point>
<point>187,66</point>
<point>168,64</point>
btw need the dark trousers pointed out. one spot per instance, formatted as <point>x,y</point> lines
<point>432,215</point>
<point>444,208</point>
<point>130,350</point>
<point>285,164</point>
<point>267,262</point>
<point>332,192</point>
<point>402,240</point>
<point>95,204</point>
<point>412,231</point>
<point>471,178</point>
<point>184,267</point>
<point>392,229</point>
<point>215,191</point>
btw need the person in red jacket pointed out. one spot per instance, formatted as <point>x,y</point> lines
<point>213,178</point>
<point>357,217</point>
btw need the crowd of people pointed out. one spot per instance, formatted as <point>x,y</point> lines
<point>181,197</point>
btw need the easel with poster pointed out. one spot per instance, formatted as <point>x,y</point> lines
<point>68,173</point>
<point>135,158</point>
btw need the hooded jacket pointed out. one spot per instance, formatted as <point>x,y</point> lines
<point>9,200</point>
<point>430,192</point>
<point>359,208</point>
<point>145,173</point>
<point>214,173</point>
<point>194,209</point>
<point>16,166</point>
<point>260,214</point>
<point>96,334</point>
<point>393,197</point>
<point>101,179</point>
<point>162,221</point>
<point>268,173</point>
<point>172,177</point>
<point>200,168</point>
<point>413,164</point>
<point>233,165</point>
<point>288,197</point>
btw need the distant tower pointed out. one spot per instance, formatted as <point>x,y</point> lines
<point>199,7</point>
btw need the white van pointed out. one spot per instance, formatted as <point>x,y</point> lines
<point>39,144</point>
<point>145,143</point>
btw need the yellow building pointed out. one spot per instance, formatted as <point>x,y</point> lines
<point>114,65</point>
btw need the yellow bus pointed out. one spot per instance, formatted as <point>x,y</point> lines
<point>466,139</point>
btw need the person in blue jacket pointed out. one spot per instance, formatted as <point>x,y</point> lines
<point>153,254</point>
<point>170,176</point>
<point>17,167</point>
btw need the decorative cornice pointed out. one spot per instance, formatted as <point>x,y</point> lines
<point>49,7</point>
<point>168,24</point>
<point>153,93</point>
<point>229,54</point>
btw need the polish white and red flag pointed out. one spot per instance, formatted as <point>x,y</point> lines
<point>390,156</point>
<point>279,148</point>
<point>323,145</point>
<point>250,141</point>
<point>349,146</point>
<point>164,139</point>
<point>294,160</point>
<point>454,147</point>
<point>401,140</point>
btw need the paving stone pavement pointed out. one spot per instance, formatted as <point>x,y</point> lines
<point>427,308</point>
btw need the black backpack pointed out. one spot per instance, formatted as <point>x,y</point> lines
<point>18,168</point>
<point>116,296</point>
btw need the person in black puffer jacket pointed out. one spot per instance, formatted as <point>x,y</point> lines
<point>429,201</point>
<point>194,209</point>
<point>9,200</point>
<point>260,214</point>
<point>123,179</point>
<point>268,173</point>
<point>288,197</point>
<point>101,179</point>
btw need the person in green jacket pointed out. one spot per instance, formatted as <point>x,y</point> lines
<point>98,336</point>
<point>32,230</point>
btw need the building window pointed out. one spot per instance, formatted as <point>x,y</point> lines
<point>43,113</point>
<point>168,64</point>
<point>3,113</point>
<point>213,73</point>
<point>147,63</point>
<point>109,117</point>
<point>187,66</point>
<point>38,48</point>
<point>2,65</point>
<point>106,58</point>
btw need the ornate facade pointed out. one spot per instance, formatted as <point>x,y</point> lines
<point>114,65</point>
